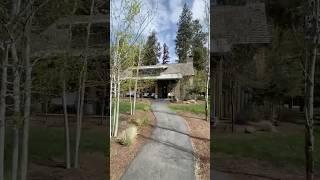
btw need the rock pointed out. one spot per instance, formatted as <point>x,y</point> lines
<point>128,136</point>
<point>249,130</point>
<point>264,126</point>
<point>193,101</point>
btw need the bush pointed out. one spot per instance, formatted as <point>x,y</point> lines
<point>146,108</point>
<point>128,136</point>
<point>145,121</point>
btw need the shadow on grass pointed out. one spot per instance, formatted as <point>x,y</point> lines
<point>180,148</point>
<point>173,113</point>
<point>245,174</point>
<point>174,130</point>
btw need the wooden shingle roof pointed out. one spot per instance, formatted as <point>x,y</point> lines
<point>240,24</point>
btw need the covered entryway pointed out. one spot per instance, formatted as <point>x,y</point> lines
<point>163,89</point>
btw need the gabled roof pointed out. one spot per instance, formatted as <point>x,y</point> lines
<point>240,24</point>
<point>170,71</point>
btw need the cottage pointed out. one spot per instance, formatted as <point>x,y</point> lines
<point>57,40</point>
<point>170,79</point>
<point>233,26</point>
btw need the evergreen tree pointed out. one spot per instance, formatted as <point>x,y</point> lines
<point>184,34</point>
<point>165,57</point>
<point>198,48</point>
<point>151,51</point>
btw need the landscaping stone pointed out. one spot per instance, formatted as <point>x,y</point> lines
<point>264,126</point>
<point>193,101</point>
<point>250,130</point>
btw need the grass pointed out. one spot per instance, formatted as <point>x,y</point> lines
<point>48,143</point>
<point>125,106</point>
<point>279,149</point>
<point>193,108</point>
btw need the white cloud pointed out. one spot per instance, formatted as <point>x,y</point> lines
<point>175,10</point>
<point>198,9</point>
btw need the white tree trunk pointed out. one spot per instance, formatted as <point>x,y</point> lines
<point>118,105</point>
<point>3,109</point>
<point>136,83</point>
<point>83,84</point>
<point>115,106</point>
<point>311,57</point>
<point>110,108</point>
<point>309,134</point>
<point>17,114</point>
<point>27,104</point>
<point>66,125</point>
<point>131,105</point>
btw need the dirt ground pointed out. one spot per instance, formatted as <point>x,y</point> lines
<point>91,167</point>
<point>121,156</point>
<point>200,136</point>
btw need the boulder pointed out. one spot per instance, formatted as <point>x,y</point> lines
<point>193,101</point>
<point>264,126</point>
<point>250,130</point>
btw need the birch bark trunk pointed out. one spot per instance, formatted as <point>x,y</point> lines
<point>136,83</point>
<point>17,114</point>
<point>3,94</point>
<point>27,103</point>
<point>82,85</point>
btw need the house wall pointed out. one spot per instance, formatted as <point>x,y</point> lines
<point>259,58</point>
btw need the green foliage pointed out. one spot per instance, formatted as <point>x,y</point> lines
<point>199,58</point>
<point>151,50</point>
<point>165,57</point>
<point>184,34</point>
<point>284,65</point>
<point>48,76</point>
<point>199,83</point>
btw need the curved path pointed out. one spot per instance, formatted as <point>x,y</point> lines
<point>169,154</point>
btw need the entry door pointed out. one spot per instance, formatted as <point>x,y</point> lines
<point>163,88</point>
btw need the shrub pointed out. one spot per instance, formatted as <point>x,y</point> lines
<point>145,121</point>
<point>146,108</point>
<point>128,136</point>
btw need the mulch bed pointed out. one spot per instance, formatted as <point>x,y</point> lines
<point>200,136</point>
<point>121,156</point>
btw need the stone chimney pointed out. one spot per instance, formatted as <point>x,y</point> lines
<point>190,59</point>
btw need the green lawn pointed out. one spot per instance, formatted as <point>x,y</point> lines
<point>48,143</point>
<point>279,149</point>
<point>125,106</point>
<point>193,108</point>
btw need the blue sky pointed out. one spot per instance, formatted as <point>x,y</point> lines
<point>165,18</point>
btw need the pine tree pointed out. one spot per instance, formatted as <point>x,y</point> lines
<point>184,34</point>
<point>165,57</point>
<point>152,50</point>
<point>199,39</point>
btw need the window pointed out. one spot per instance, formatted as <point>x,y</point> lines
<point>98,35</point>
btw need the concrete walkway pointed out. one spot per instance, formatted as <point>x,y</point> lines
<point>168,155</point>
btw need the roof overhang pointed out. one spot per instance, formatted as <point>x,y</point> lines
<point>151,67</point>
<point>161,77</point>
